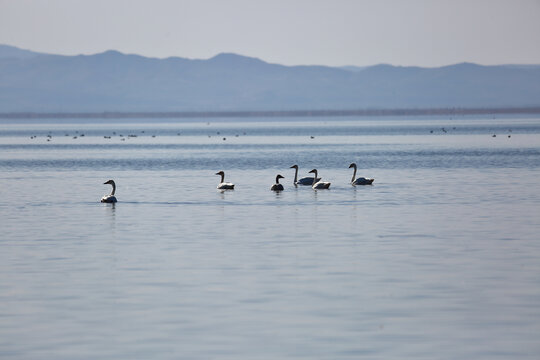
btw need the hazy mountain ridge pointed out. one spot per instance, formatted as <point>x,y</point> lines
<point>112,81</point>
<point>7,51</point>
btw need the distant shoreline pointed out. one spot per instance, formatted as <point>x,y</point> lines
<point>280,113</point>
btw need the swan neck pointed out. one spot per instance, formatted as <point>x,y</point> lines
<point>354,174</point>
<point>113,188</point>
<point>277,179</point>
<point>222,177</point>
<point>295,175</point>
<point>314,178</point>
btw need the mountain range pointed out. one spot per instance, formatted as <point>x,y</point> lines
<point>113,81</point>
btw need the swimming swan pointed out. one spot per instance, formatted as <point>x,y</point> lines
<point>110,198</point>
<point>223,185</point>
<point>302,181</point>
<point>360,180</point>
<point>277,186</point>
<point>319,184</point>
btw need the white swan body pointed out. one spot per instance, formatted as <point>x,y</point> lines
<point>110,198</point>
<point>303,181</point>
<point>222,184</point>
<point>360,180</point>
<point>277,186</point>
<point>316,185</point>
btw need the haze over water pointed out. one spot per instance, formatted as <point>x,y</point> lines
<point>439,259</point>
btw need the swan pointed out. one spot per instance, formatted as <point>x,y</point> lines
<point>110,198</point>
<point>223,185</point>
<point>304,180</point>
<point>277,186</point>
<point>360,180</point>
<point>319,184</point>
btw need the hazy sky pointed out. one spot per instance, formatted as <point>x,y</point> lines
<point>290,32</point>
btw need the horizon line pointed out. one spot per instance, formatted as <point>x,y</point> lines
<point>272,113</point>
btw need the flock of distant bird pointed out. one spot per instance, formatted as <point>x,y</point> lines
<point>123,138</point>
<point>314,181</point>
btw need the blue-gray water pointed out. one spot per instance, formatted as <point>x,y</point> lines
<point>439,259</point>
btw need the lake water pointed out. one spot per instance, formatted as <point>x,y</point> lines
<point>438,259</point>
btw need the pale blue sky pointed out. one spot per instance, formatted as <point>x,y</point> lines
<point>290,32</point>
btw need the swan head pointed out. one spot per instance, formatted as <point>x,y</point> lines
<point>220,173</point>
<point>280,177</point>
<point>353,165</point>
<point>313,171</point>
<point>294,167</point>
<point>109,182</point>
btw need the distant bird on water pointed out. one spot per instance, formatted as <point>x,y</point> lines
<point>110,198</point>
<point>304,180</point>
<point>222,184</point>
<point>360,180</point>
<point>316,185</point>
<point>277,186</point>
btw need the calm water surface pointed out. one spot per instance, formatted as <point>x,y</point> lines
<point>439,259</point>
